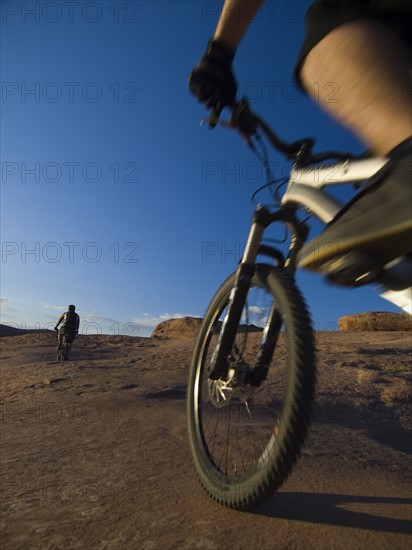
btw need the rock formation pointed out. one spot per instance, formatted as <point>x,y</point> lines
<point>184,327</point>
<point>373,321</point>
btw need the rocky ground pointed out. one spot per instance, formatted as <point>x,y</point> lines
<point>94,451</point>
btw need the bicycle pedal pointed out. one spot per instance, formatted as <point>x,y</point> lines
<point>354,269</point>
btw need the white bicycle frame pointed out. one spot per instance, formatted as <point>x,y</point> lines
<point>305,187</point>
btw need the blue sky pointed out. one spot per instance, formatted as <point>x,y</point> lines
<point>114,198</point>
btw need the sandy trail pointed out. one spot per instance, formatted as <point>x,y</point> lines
<point>95,455</point>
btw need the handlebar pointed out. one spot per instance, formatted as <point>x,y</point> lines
<point>248,123</point>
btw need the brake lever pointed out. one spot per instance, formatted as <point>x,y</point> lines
<point>243,120</point>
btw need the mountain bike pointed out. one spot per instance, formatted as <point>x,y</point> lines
<point>253,372</point>
<point>64,347</point>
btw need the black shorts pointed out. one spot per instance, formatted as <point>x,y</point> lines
<point>323,16</point>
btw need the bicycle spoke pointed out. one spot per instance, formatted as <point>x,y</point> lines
<point>234,429</point>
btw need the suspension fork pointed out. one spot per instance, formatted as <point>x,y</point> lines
<point>299,233</point>
<point>262,218</point>
<point>219,363</point>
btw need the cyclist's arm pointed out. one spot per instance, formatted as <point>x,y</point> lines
<point>59,321</point>
<point>78,323</point>
<point>234,21</point>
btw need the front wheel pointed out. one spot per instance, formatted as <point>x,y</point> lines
<point>60,351</point>
<point>63,350</point>
<point>245,439</point>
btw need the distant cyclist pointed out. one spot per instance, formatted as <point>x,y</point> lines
<point>70,322</point>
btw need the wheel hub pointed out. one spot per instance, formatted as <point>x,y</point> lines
<point>222,390</point>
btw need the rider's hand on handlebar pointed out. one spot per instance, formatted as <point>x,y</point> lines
<point>212,80</point>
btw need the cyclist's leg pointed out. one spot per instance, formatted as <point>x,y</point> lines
<point>361,71</point>
<point>367,68</point>
<point>70,337</point>
<point>356,61</point>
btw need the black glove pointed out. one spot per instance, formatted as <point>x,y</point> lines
<point>56,329</point>
<point>212,80</point>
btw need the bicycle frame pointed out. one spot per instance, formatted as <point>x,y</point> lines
<point>261,220</point>
<point>305,186</point>
<point>244,443</point>
<point>305,190</point>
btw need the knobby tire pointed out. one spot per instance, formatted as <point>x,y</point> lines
<point>244,449</point>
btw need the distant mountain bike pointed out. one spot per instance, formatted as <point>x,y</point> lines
<point>64,347</point>
<point>252,376</point>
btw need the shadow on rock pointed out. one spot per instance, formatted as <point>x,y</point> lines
<point>338,510</point>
